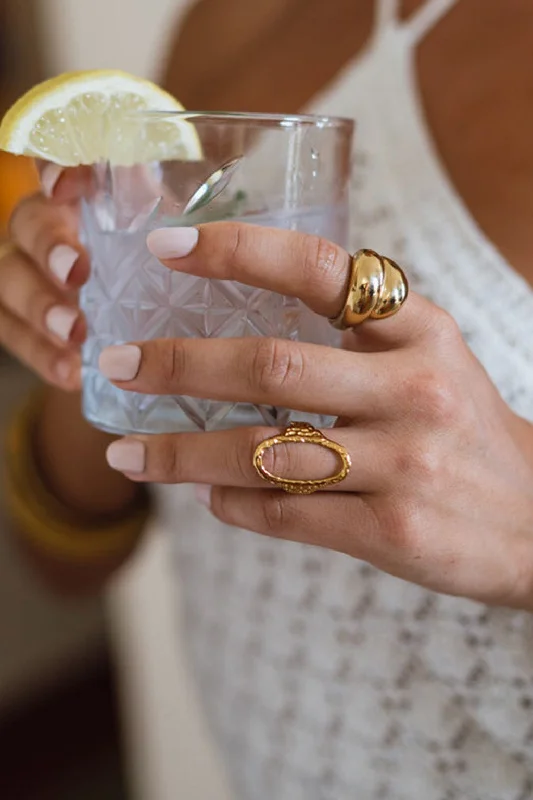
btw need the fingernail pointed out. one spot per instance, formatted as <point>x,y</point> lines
<point>49,178</point>
<point>64,370</point>
<point>203,494</point>
<point>172,242</point>
<point>120,362</point>
<point>126,456</point>
<point>60,320</point>
<point>61,261</point>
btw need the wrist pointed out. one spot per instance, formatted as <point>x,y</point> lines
<point>70,455</point>
<point>52,528</point>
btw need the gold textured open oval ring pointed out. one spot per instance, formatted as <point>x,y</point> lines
<point>378,288</point>
<point>301,432</point>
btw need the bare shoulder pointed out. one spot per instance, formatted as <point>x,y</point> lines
<point>476,83</point>
<point>473,74</point>
<point>262,55</point>
<point>212,36</point>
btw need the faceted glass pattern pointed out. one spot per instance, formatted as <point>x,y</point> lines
<point>130,296</point>
<point>286,172</point>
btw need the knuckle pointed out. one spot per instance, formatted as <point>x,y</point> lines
<point>173,362</point>
<point>420,462</point>
<point>432,396</point>
<point>282,460</point>
<point>404,531</point>
<point>240,459</point>
<point>322,262</point>
<point>24,215</point>
<point>38,227</point>
<point>276,363</point>
<point>168,463</point>
<point>409,536</point>
<point>234,235</point>
<point>445,330</point>
<point>441,401</point>
<point>273,513</point>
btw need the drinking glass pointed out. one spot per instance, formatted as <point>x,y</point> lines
<point>288,172</point>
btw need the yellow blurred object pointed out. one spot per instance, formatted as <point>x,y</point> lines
<point>18,178</point>
<point>43,521</point>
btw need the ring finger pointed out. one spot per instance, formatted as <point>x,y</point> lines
<point>256,370</point>
<point>225,458</point>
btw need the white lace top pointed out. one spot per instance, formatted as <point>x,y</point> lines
<point>323,678</point>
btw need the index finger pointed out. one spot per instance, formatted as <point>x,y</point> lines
<point>301,265</point>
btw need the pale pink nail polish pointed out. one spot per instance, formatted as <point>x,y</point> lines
<point>168,243</point>
<point>61,261</point>
<point>49,177</point>
<point>60,321</point>
<point>64,370</point>
<point>126,455</point>
<point>203,494</point>
<point>120,362</point>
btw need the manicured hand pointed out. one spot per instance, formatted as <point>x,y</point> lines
<point>41,270</point>
<point>441,488</point>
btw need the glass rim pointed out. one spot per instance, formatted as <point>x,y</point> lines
<point>257,117</point>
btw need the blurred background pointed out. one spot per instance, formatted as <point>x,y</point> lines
<point>95,701</point>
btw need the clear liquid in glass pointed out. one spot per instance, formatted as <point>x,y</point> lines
<point>130,296</point>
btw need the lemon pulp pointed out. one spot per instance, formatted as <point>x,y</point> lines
<point>86,117</point>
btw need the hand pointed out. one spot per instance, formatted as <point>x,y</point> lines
<point>43,270</point>
<point>41,324</point>
<point>40,275</point>
<point>441,488</point>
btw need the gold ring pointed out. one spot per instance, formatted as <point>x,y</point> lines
<point>7,249</point>
<point>301,432</point>
<point>378,288</point>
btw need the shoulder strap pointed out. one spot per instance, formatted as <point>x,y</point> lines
<point>418,25</point>
<point>387,15</point>
<point>427,17</point>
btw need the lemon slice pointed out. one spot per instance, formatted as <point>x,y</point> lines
<point>87,117</point>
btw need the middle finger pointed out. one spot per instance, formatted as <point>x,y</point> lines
<point>256,370</point>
